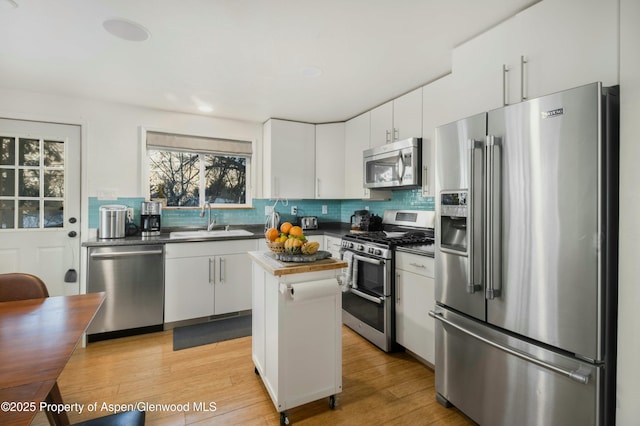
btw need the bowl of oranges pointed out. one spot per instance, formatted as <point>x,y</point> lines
<point>289,239</point>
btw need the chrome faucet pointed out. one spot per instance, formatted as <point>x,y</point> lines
<point>210,223</point>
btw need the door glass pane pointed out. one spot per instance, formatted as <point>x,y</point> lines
<point>28,214</point>
<point>7,151</point>
<point>53,153</point>
<point>28,183</point>
<point>7,182</point>
<point>54,183</point>
<point>53,214</point>
<point>7,214</point>
<point>29,152</point>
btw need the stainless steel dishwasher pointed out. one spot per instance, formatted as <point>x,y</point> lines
<point>133,279</point>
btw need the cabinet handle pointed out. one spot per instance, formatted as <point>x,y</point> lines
<point>425,176</point>
<point>397,291</point>
<point>396,134</point>
<point>212,270</point>
<point>523,63</point>
<point>417,265</point>
<point>505,70</point>
<point>388,136</point>
<point>220,271</point>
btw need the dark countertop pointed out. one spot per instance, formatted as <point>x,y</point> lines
<point>334,229</point>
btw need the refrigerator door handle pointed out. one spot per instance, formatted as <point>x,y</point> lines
<point>494,217</point>
<point>576,375</point>
<point>475,280</point>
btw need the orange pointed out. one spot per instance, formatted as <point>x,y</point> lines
<point>285,227</point>
<point>296,231</point>
<point>271,234</point>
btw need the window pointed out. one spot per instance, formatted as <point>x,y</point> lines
<point>31,183</point>
<point>189,171</point>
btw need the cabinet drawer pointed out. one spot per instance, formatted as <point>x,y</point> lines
<point>421,265</point>
<point>209,248</point>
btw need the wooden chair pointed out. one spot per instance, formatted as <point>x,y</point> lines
<point>126,418</point>
<point>19,286</point>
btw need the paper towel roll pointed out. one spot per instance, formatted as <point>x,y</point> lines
<point>314,289</point>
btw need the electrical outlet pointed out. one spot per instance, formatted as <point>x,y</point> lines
<point>324,209</point>
<point>294,210</point>
<point>130,214</point>
<point>366,208</point>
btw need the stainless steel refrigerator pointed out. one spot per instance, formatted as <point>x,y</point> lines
<point>526,261</point>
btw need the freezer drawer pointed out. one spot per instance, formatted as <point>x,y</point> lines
<point>495,385</point>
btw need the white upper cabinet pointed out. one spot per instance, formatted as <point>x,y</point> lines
<point>438,109</point>
<point>398,119</point>
<point>289,159</point>
<point>567,43</point>
<point>357,132</point>
<point>357,135</point>
<point>330,163</point>
<point>552,46</point>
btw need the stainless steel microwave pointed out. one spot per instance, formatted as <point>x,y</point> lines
<point>394,165</point>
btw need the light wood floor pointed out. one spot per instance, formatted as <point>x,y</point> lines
<point>378,388</point>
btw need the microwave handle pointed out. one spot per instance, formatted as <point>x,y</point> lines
<point>401,166</point>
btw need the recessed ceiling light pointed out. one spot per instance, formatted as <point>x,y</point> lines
<point>9,4</point>
<point>205,108</point>
<point>126,30</point>
<point>311,71</point>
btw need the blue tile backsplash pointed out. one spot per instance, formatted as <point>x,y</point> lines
<point>337,210</point>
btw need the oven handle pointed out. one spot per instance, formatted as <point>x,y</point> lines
<point>368,260</point>
<point>366,296</point>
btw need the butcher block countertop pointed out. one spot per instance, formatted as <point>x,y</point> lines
<point>277,268</point>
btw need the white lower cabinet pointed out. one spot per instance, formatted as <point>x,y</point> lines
<point>207,278</point>
<point>333,246</point>
<point>414,298</point>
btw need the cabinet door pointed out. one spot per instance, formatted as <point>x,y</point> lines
<point>232,283</point>
<point>438,109</point>
<point>381,125</point>
<point>333,246</point>
<point>357,131</point>
<point>189,288</point>
<point>330,163</point>
<point>407,115</point>
<point>289,159</point>
<point>579,45</point>
<point>478,74</point>
<point>415,330</point>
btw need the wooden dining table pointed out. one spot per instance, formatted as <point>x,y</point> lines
<point>37,338</point>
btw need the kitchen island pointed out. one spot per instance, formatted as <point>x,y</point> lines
<point>297,329</point>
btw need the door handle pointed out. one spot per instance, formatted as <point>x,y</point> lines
<point>474,284</point>
<point>523,63</point>
<point>505,70</point>
<point>366,296</point>
<point>493,174</point>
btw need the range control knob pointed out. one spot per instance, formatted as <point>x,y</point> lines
<point>371,250</point>
<point>378,252</point>
<point>361,247</point>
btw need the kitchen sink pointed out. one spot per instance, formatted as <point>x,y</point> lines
<point>210,234</point>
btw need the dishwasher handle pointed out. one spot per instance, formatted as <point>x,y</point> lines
<point>125,254</point>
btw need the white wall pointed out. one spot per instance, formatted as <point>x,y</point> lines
<point>111,136</point>
<point>628,394</point>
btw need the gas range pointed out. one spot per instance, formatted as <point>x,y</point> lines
<point>382,243</point>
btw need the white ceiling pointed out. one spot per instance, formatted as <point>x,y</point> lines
<point>242,57</point>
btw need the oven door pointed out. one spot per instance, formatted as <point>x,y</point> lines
<point>366,307</point>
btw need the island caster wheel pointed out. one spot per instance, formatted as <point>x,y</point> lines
<point>333,402</point>
<point>284,419</point>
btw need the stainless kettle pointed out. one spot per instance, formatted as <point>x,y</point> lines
<point>273,221</point>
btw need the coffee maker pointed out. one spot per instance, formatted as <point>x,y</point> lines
<point>150,213</point>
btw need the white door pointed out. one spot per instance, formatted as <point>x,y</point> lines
<point>40,202</point>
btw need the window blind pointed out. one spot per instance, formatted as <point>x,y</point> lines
<point>198,144</point>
